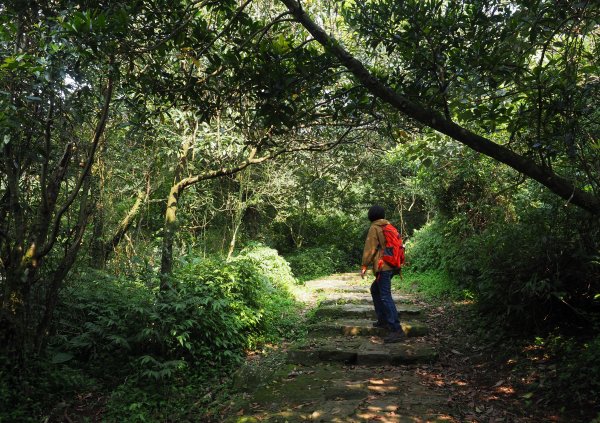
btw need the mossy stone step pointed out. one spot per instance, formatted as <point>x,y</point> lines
<point>359,311</point>
<point>347,298</point>
<point>316,350</point>
<point>331,392</point>
<point>358,298</point>
<point>336,285</point>
<point>362,327</point>
<point>394,354</point>
<point>359,351</point>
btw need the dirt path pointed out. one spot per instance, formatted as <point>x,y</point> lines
<point>342,371</point>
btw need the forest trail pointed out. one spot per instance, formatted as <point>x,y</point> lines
<point>342,371</point>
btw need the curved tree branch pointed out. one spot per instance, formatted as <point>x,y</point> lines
<point>557,184</point>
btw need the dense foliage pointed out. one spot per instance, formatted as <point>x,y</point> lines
<point>114,333</point>
<point>526,256</point>
<point>528,260</point>
<point>158,160</point>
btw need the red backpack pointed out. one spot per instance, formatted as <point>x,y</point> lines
<point>393,252</point>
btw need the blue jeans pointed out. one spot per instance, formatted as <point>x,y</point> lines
<point>381,291</point>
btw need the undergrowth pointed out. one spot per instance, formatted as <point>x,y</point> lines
<point>313,262</point>
<point>563,371</point>
<point>151,355</point>
<point>433,284</point>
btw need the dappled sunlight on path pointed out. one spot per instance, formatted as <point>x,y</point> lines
<point>343,372</point>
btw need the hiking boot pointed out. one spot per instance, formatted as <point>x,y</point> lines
<point>393,337</point>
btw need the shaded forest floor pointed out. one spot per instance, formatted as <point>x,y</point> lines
<point>473,378</point>
<point>491,377</point>
<point>484,382</point>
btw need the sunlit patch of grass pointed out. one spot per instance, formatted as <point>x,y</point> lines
<point>432,285</point>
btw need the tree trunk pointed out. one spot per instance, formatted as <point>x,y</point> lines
<point>34,240</point>
<point>170,229</point>
<point>237,216</point>
<point>86,205</point>
<point>110,246</point>
<point>233,241</point>
<point>97,244</point>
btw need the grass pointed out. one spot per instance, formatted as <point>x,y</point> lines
<point>431,285</point>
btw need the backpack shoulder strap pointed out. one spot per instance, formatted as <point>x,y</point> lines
<point>381,237</point>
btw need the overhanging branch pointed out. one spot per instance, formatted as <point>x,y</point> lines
<point>557,184</point>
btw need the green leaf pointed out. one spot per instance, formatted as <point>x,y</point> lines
<point>61,357</point>
<point>528,395</point>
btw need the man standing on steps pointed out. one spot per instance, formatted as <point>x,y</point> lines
<point>381,288</point>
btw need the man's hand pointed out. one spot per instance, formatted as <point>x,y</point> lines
<point>363,270</point>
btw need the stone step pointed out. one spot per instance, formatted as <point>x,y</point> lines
<point>332,392</point>
<point>336,285</point>
<point>344,290</point>
<point>362,327</point>
<point>359,298</point>
<point>359,351</point>
<point>347,298</point>
<point>360,311</point>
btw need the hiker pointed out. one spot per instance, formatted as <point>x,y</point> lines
<point>381,288</point>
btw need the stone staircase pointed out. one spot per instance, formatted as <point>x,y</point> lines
<point>343,372</point>
<point>342,331</point>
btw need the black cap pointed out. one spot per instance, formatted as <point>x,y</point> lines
<point>376,212</point>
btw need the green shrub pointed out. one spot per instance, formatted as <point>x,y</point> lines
<point>280,312</point>
<point>270,264</point>
<point>433,284</point>
<point>183,398</point>
<point>238,305</point>
<point>213,314</point>
<point>28,394</point>
<point>310,263</point>
<point>100,317</point>
<point>575,369</point>
<point>146,345</point>
<point>540,268</point>
<point>534,269</point>
<point>424,248</point>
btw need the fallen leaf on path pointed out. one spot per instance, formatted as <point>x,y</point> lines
<point>296,407</point>
<point>527,395</point>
